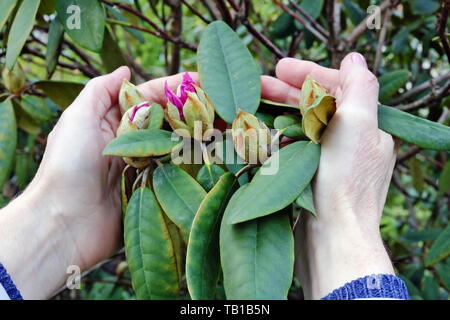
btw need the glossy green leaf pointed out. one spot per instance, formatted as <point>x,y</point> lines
<point>390,83</point>
<point>85,25</point>
<point>290,125</point>
<point>312,7</point>
<point>268,193</point>
<point>141,143</point>
<point>279,104</point>
<point>24,169</point>
<point>47,7</point>
<point>36,108</point>
<point>178,246</point>
<point>179,195</point>
<point>417,174</point>
<point>7,8</point>
<point>422,7</point>
<point>421,132</point>
<point>283,26</point>
<point>430,287</point>
<point>421,235</point>
<point>208,176</point>
<point>123,193</point>
<point>118,15</point>
<point>149,249</point>
<point>8,140</point>
<point>20,30</point>
<point>156,116</point>
<point>24,121</point>
<point>111,54</point>
<point>412,289</point>
<point>306,200</point>
<point>267,118</point>
<point>202,258</point>
<point>444,179</point>
<point>231,159</point>
<point>440,248</point>
<point>257,256</point>
<point>443,270</point>
<point>227,71</point>
<point>63,93</point>
<point>55,37</point>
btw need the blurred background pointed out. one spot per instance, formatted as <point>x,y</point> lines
<point>46,60</point>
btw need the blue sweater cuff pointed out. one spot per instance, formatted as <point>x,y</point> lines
<point>8,285</point>
<point>372,286</point>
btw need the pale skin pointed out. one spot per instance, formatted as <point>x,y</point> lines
<point>70,214</point>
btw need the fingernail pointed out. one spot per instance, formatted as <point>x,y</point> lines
<point>359,59</point>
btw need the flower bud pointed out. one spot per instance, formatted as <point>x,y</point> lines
<point>14,79</point>
<point>252,138</point>
<point>190,112</point>
<point>129,96</point>
<point>135,118</point>
<point>317,107</point>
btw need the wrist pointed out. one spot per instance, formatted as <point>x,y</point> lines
<point>33,245</point>
<point>332,253</point>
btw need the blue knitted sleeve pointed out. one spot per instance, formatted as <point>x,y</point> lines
<point>372,286</point>
<point>8,285</point>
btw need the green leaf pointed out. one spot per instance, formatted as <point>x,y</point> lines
<point>422,7</point>
<point>306,200</point>
<point>55,37</point>
<point>111,54</point>
<point>24,121</point>
<point>20,29</point>
<point>267,118</point>
<point>269,193</point>
<point>390,83</point>
<point>412,289</point>
<point>202,258</point>
<point>440,248</point>
<point>118,15</point>
<point>91,17</point>
<point>283,26</point>
<point>421,132</point>
<point>8,140</point>
<point>444,179</point>
<point>430,287</point>
<point>416,171</point>
<point>156,116</point>
<point>208,176</point>
<point>231,159</point>
<point>63,93</point>
<point>279,104</point>
<point>443,270</point>
<point>36,108</point>
<point>312,7</point>
<point>257,256</point>
<point>141,143</point>
<point>7,8</point>
<point>290,125</point>
<point>179,195</point>
<point>123,193</point>
<point>149,249</point>
<point>47,7</point>
<point>421,235</point>
<point>227,71</point>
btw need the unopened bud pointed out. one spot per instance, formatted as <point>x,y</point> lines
<point>129,96</point>
<point>14,79</point>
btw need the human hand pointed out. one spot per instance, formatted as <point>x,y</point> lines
<point>70,214</point>
<point>352,181</point>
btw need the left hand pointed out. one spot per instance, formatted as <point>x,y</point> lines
<point>70,214</point>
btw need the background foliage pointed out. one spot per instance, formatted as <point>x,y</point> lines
<point>410,54</point>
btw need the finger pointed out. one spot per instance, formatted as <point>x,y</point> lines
<point>276,90</point>
<point>294,71</point>
<point>153,90</point>
<point>358,86</point>
<point>101,93</point>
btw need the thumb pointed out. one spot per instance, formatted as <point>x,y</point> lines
<point>101,93</point>
<point>359,87</point>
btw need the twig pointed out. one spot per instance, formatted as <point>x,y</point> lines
<point>196,12</point>
<point>432,96</point>
<point>441,24</point>
<point>309,18</point>
<point>293,47</point>
<point>381,39</point>
<point>360,28</point>
<point>423,86</point>
<point>215,14</point>
<point>296,17</point>
<point>225,12</point>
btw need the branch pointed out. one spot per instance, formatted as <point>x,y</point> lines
<point>381,39</point>
<point>225,12</point>
<point>432,96</point>
<point>309,18</point>
<point>299,19</point>
<point>360,28</point>
<point>423,86</point>
<point>441,24</point>
<point>160,33</point>
<point>212,9</point>
<point>197,13</point>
